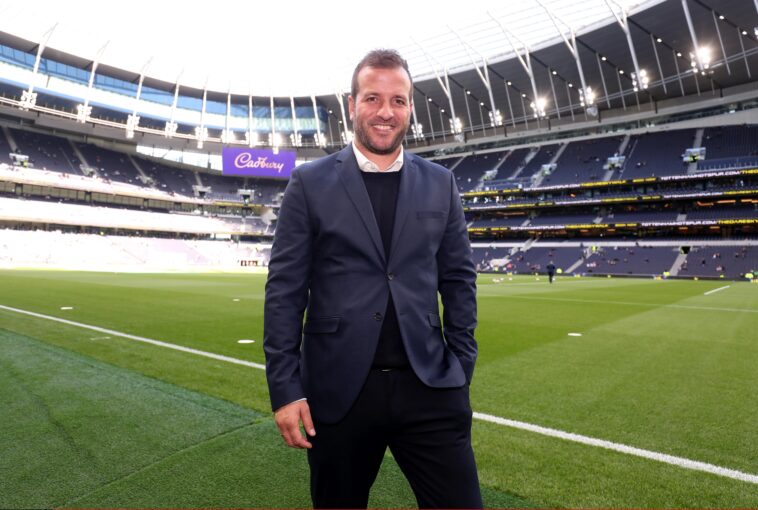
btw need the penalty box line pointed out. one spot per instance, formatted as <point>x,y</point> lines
<point>545,431</point>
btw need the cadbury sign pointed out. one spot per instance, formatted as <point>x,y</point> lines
<point>257,162</point>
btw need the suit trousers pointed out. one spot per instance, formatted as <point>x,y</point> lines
<point>428,431</point>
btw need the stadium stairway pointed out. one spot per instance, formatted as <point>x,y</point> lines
<point>83,159</point>
<point>698,142</point>
<point>537,182</point>
<point>11,142</point>
<point>677,265</point>
<point>145,178</point>
<point>622,147</point>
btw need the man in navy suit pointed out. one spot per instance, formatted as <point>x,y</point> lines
<point>366,240</point>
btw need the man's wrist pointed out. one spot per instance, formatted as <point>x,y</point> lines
<point>285,405</point>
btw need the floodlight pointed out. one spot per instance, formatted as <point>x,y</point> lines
<point>251,139</point>
<point>621,71</point>
<point>555,73</point>
<point>640,82</point>
<point>227,136</point>
<point>418,131</point>
<point>132,121</point>
<point>721,16</point>
<point>83,112</point>
<point>496,118</point>
<point>455,125</point>
<point>702,59</point>
<point>659,40</point>
<point>603,59</point>
<point>296,141</point>
<point>587,97</point>
<point>202,135</point>
<point>275,140</point>
<point>169,129</point>
<point>509,83</point>
<point>538,105</point>
<point>28,100</point>
<point>468,92</point>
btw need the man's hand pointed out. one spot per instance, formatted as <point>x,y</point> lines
<point>288,419</point>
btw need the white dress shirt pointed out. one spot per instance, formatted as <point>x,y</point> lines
<point>366,165</point>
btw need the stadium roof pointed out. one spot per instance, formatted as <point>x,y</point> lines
<point>301,48</point>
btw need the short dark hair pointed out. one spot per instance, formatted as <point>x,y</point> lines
<point>382,59</point>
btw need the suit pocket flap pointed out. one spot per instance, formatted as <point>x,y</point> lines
<point>434,320</point>
<point>324,325</point>
<point>422,215</point>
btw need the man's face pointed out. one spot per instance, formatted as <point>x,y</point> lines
<point>381,112</point>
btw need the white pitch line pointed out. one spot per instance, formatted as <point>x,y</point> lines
<point>716,290</point>
<point>545,431</point>
<point>622,448</point>
<point>139,338</point>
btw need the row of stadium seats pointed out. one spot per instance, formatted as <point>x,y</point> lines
<point>647,155</point>
<point>731,261</point>
<point>710,213</point>
<point>52,153</point>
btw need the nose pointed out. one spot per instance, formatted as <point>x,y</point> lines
<point>385,111</point>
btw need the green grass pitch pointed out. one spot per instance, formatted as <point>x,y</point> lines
<point>91,419</point>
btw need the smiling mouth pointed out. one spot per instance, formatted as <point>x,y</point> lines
<point>383,127</point>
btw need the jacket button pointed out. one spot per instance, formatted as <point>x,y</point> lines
<point>377,316</point>
<point>390,276</point>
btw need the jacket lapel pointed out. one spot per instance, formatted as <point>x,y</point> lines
<point>347,168</point>
<point>408,178</point>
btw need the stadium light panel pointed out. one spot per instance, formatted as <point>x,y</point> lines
<point>539,105</point>
<point>640,82</point>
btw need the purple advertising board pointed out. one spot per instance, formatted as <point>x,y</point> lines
<point>257,162</point>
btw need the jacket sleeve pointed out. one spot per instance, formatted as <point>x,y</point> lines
<point>287,295</point>
<point>457,285</point>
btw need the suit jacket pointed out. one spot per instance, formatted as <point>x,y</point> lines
<point>328,258</point>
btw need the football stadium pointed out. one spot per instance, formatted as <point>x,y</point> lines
<point>613,143</point>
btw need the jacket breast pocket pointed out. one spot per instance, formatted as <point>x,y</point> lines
<point>321,325</point>
<point>430,215</point>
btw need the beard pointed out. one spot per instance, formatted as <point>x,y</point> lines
<point>361,133</point>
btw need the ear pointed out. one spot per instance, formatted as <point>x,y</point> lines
<point>351,107</point>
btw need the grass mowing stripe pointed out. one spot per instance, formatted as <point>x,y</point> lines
<point>590,441</point>
<point>629,303</point>
<point>139,338</point>
<point>716,290</point>
<point>621,448</point>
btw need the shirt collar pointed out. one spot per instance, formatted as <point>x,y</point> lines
<point>367,165</point>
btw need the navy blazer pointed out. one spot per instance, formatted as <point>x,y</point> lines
<point>328,258</point>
